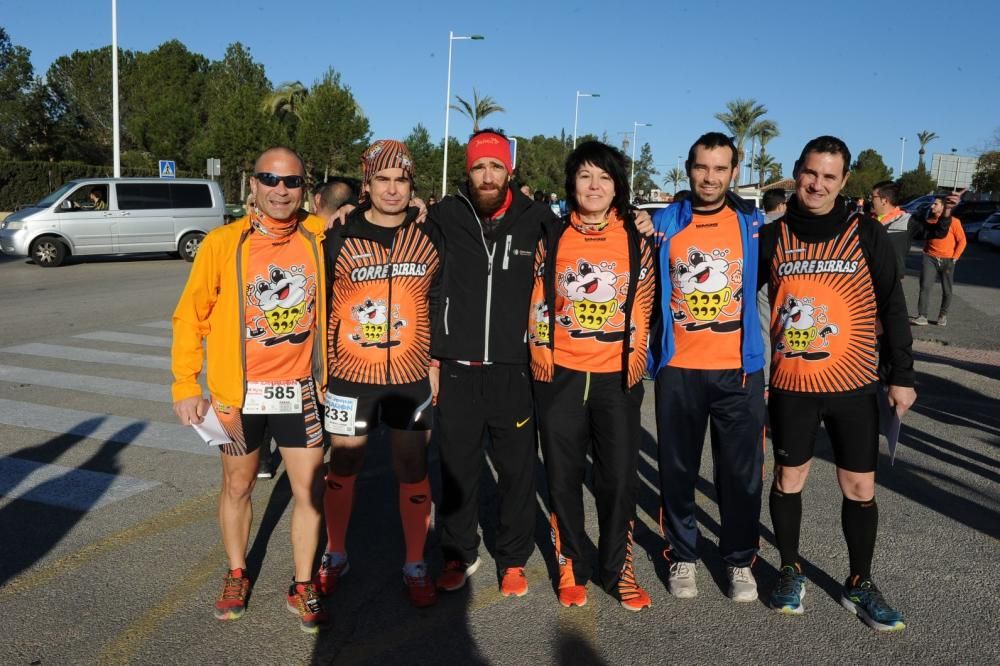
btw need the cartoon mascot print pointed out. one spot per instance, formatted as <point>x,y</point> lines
<point>373,324</point>
<point>706,282</point>
<point>285,299</point>
<point>592,291</point>
<point>804,329</point>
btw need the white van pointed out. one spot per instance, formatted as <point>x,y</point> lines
<point>115,216</point>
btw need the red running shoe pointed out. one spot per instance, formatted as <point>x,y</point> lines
<point>232,600</point>
<point>304,601</point>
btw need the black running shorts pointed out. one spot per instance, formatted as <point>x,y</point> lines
<point>249,432</point>
<point>851,422</point>
<point>398,406</point>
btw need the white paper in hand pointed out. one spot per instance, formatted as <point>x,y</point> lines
<point>211,429</point>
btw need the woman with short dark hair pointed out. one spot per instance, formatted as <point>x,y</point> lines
<point>588,326</point>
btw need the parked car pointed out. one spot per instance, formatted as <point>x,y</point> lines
<point>115,216</point>
<point>974,211</point>
<point>990,231</point>
<point>974,228</point>
<point>919,203</point>
<point>973,214</point>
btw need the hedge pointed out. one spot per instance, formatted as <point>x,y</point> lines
<point>23,183</point>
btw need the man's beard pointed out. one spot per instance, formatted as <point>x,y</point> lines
<point>489,201</point>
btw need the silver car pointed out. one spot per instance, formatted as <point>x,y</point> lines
<point>115,216</point>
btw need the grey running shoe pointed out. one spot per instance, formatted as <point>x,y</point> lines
<point>920,321</point>
<point>742,584</point>
<point>942,320</point>
<point>681,581</point>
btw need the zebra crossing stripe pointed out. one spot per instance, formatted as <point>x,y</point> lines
<point>68,487</point>
<point>119,388</point>
<point>126,338</point>
<point>62,421</point>
<point>90,355</point>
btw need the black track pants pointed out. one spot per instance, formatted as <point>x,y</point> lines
<point>474,400</point>
<point>580,412</point>
<point>686,401</point>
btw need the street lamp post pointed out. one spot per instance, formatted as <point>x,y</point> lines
<point>902,152</point>
<point>635,132</point>
<point>116,132</point>
<point>576,116</point>
<point>447,108</point>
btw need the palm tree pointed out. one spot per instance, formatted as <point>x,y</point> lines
<point>675,177</point>
<point>764,131</point>
<point>479,109</point>
<point>285,100</point>
<point>924,138</point>
<point>739,119</point>
<point>766,163</point>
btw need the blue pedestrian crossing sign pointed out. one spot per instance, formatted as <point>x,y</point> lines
<point>168,169</point>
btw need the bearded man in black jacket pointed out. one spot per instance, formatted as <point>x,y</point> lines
<point>490,233</point>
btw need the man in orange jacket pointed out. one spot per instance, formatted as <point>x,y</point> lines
<point>944,245</point>
<point>253,296</point>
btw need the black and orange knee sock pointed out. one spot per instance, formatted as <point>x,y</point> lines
<point>786,516</point>
<point>338,501</point>
<point>415,513</point>
<point>860,523</point>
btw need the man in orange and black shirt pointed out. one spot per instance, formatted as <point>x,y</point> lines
<point>832,279</point>
<point>945,242</point>
<point>381,267</point>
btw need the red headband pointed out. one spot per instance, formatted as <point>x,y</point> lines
<point>488,145</point>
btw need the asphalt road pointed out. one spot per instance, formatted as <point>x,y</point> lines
<point>110,550</point>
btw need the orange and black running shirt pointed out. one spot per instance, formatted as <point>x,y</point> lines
<point>599,319</point>
<point>823,314</point>
<point>591,283</point>
<point>380,282</point>
<point>706,277</point>
<point>279,307</point>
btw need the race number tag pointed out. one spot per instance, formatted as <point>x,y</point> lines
<point>273,398</point>
<point>340,412</point>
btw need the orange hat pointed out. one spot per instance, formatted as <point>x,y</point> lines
<point>386,154</point>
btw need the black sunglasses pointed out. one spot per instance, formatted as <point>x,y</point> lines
<point>271,180</point>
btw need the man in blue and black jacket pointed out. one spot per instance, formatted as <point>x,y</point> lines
<point>707,358</point>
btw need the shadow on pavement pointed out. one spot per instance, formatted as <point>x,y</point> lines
<point>41,526</point>
<point>277,503</point>
<point>372,622</point>
<point>573,650</point>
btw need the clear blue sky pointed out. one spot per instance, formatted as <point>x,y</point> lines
<point>869,72</point>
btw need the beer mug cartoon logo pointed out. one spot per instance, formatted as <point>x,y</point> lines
<point>802,322</point>
<point>541,323</point>
<point>704,282</point>
<point>593,293</point>
<point>282,299</point>
<point>374,319</point>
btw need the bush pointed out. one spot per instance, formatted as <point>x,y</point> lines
<point>23,183</point>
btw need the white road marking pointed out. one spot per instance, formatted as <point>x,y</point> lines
<point>119,388</point>
<point>147,434</point>
<point>90,355</point>
<point>127,338</point>
<point>67,487</point>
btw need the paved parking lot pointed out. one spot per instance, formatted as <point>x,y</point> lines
<point>111,551</point>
